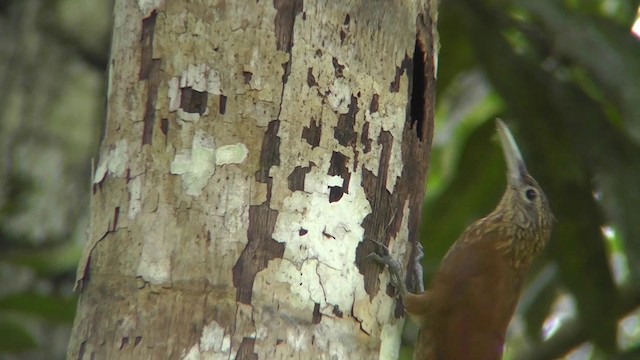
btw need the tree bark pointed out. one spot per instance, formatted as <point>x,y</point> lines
<point>251,148</point>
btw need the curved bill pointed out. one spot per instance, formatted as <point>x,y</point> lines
<point>516,168</point>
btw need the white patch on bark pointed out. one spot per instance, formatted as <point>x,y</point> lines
<point>320,184</point>
<point>213,339</point>
<point>158,241</point>
<point>187,117</point>
<point>232,206</point>
<point>174,94</point>
<point>114,163</point>
<point>328,335</point>
<point>231,154</point>
<point>135,197</point>
<point>201,77</point>
<point>297,338</point>
<point>147,6</point>
<point>193,354</point>
<point>263,73</point>
<point>339,97</point>
<point>109,82</point>
<point>333,232</point>
<point>259,111</point>
<point>391,339</point>
<point>304,283</point>
<point>196,165</point>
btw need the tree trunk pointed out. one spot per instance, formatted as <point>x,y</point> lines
<point>251,148</point>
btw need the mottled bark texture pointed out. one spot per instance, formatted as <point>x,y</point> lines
<point>250,149</point>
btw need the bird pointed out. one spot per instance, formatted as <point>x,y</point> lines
<point>465,312</point>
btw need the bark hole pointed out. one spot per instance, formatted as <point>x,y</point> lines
<point>223,104</point>
<point>418,91</point>
<point>193,101</point>
<point>247,76</point>
<point>335,193</point>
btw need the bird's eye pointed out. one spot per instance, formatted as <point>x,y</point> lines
<point>530,194</point>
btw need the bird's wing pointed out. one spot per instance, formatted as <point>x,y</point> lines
<point>471,299</point>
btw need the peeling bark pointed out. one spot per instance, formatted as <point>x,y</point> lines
<point>287,137</point>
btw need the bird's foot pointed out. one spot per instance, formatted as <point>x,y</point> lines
<point>382,256</point>
<point>416,277</point>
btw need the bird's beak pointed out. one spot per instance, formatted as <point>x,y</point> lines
<point>516,168</point>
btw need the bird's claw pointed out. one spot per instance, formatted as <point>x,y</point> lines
<point>395,267</point>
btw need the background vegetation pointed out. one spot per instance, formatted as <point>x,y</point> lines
<point>563,74</point>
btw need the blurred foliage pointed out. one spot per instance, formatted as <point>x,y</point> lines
<point>563,75</point>
<point>36,295</point>
<point>14,337</point>
<point>52,68</point>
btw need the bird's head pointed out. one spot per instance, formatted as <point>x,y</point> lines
<point>524,204</point>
